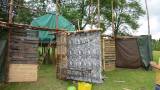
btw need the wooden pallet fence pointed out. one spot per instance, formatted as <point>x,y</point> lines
<point>23,56</point>
<point>108,54</point>
<point>61,55</point>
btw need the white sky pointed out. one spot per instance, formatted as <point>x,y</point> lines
<point>154,11</point>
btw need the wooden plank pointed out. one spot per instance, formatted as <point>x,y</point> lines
<point>22,72</point>
<point>23,62</point>
<point>109,54</point>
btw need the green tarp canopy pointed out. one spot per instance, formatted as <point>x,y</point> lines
<point>51,21</point>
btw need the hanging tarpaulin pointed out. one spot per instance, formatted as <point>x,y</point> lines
<point>84,57</point>
<point>145,49</point>
<point>52,21</point>
<point>3,53</point>
<point>127,53</point>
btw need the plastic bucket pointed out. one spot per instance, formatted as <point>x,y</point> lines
<point>84,86</point>
<point>71,88</point>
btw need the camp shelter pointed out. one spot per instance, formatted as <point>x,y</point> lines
<point>133,52</point>
<point>52,21</point>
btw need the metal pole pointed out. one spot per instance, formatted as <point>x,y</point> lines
<point>147,17</point>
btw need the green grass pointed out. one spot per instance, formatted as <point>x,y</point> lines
<point>133,79</point>
<point>156,55</point>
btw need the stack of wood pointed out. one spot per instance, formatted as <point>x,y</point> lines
<point>23,56</point>
<point>108,54</point>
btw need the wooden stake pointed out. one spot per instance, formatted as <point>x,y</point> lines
<point>91,14</point>
<point>78,25</point>
<point>98,6</point>
<point>113,19</point>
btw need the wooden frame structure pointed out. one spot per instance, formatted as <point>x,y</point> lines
<point>108,54</point>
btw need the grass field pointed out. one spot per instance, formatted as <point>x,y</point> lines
<point>120,79</point>
<point>156,55</point>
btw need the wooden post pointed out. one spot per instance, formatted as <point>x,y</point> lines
<point>9,33</point>
<point>91,14</point>
<point>103,55</point>
<point>98,7</point>
<point>147,17</point>
<point>113,19</point>
<point>57,7</point>
<point>78,25</point>
<point>10,11</point>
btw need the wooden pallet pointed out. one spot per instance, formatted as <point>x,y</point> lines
<point>108,54</point>
<point>23,57</point>
<point>23,47</point>
<point>22,72</point>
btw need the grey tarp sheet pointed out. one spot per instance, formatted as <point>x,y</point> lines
<point>84,57</point>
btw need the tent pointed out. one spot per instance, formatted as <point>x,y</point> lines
<point>133,52</point>
<point>51,21</point>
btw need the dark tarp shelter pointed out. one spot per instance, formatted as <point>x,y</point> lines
<point>133,52</point>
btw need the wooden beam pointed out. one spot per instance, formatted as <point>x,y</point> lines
<point>23,26</point>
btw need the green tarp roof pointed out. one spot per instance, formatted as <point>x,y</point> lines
<point>49,21</point>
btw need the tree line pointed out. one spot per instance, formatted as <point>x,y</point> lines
<point>83,12</point>
<point>156,45</point>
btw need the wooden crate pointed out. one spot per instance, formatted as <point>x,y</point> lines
<point>108,54</point>
<point>22,72</point>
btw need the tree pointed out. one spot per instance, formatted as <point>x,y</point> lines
<point>156,45</point>
<point>3,10</point>
<point>126,14</point>
<point>75,11</point>
<point>26,11</point>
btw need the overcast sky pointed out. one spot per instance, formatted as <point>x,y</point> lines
<point>154,11</point>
